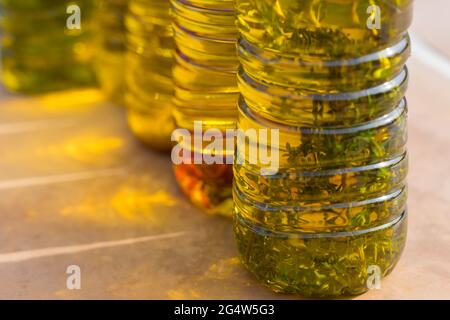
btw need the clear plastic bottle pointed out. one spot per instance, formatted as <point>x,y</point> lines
<point>206,90</point>
<point>148,72</point>
<point>39,53</point>
<point>334,216</point>
<point>110,47</point>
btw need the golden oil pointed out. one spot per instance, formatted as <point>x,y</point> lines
<point>333,218</point>
<point>110,47</point>
<point>206,90</point>
<point>39,52</point>
<point>148,72</point>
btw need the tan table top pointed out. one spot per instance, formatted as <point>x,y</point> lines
<point>77,189</point>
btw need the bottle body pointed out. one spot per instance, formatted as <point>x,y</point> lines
<point>110,48</point>
<point>148,73</point>
<point>206,90</point>
<point>335,211</point>
<point>42,47</point>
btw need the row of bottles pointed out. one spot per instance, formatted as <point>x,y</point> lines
<point>329,82</point>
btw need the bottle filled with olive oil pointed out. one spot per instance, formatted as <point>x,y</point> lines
<point>330,76</point>
<point>206,90</point>
<point>148,73</point>
<point>45,45</point>
<point>110,47</point>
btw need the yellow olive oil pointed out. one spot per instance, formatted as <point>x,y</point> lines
<point>331,79</point>
<point>148,71</point>
<point>205,70</point>
<point>42,49</point>
<point>110,47</point>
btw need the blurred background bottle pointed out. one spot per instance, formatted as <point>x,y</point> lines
<point>110,47</point>
<point>206,90</point>
<point>331,79</point>
<point>148,71</point>
<point>39,52</point>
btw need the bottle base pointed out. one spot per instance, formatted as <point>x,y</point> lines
<point>109,70</point>
<point>208,187</point>
<point>321,265</point>
<point>151,130</point>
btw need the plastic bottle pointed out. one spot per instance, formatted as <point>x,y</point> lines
<point>110,49</point>
<point>206,90</point>
<point>148,71</point>
<point>40,53</point>
<point>332,220</point>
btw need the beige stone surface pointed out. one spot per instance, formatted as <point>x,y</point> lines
<point>77,189</point>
